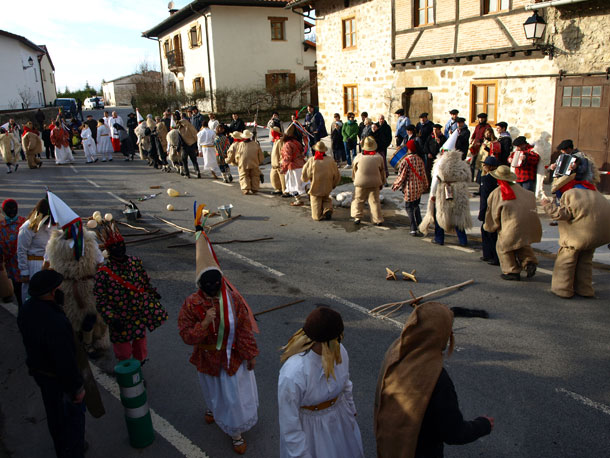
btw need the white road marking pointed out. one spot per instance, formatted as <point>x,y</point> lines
<point>363,310</point>
<point>93,183</point>
<point>544,271</point>
<point>120,199</point>
<point>180,442</point>
<point>268,196</point>
<point>460,248</point>
<point>220,182</point>
<point>586,401</point>
<point>252,262</point>
<point>73,168</point>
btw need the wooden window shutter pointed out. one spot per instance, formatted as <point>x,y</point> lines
<point>269,81</point>
<point>199,40</point>
<point>202,85</point>
<point>189,38</point>
<point>292,80</point>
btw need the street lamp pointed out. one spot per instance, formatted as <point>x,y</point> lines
<point>534,27</point>
<point>30,63</point>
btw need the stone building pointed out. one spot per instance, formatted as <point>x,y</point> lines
<point>471,55</point>
<point>119,91</point>
<point>213,45</point>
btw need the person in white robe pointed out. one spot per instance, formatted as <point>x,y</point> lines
<point>317,414</point>
<point>207,149</point>
<point>32,242</point>
<point>114,133</point>
<point>88,144</point>
<point>213,122</point>
<point>104,145</point>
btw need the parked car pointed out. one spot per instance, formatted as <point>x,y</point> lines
<point>93,103</point>
<point>67,105</point>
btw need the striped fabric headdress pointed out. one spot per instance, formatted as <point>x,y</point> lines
<point>306,135</point>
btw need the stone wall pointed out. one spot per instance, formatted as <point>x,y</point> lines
<point>23,116</point>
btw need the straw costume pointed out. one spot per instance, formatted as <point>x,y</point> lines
<point>125,298</point>
<point>218,323</point>
<point>511,211</point>
<point>278,179</point>
<point>316,405</point>
<point>247,156</point>
<point>416,407</point>
<point>368,173</point>
<point>324,175</point>
<point>73,252</point>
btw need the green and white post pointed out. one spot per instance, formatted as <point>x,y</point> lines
<point>133,398</point>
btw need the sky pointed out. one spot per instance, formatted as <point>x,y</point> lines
<point>90,41</point>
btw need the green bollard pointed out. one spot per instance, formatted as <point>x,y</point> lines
<point>133,398</point>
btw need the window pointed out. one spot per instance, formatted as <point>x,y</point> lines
<point>278,80</point>
<point>495,6</point>
<point>424,12</point>
<point>35,75</point>
<point>350,98</point>
<point>44,77</point>
<point>349,33</point>
<point>194,36</point>
<point>199,85</point>
<point>278,28</point>
<point>51,75</point>
<point>171,87</point>
<point>484,99</point>
<point>166,47</point>
<point>582,96</point>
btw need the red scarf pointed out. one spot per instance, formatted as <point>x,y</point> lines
<point>506,190</point>
<point>369,153</point>
<point>572,184</point>
<point>319,155</point>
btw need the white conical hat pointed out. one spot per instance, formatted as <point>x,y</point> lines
<point>450,144</point>
<point>204,257</point>
<point>63,215</point>
<point>172,123</point>
<point>139,117</point>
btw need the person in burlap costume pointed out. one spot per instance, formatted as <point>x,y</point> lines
<point>218,323</point>
<point>247,156</point>
<point>368,173</point>
<point>324,175</point>
<point>73,251</point>
<point>416,406</point>
<point>583,215</point>
<point>511,211</point>
<point>316,405</point>
<point>278,180</point>
<point>188,134</point>
<point>7,150</point>
<point>32,145</point>
<point>174,144</point>
<point>448,205</point>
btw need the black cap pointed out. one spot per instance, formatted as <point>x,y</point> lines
<point>454,111</point>
<point>44,282</point>
<point>521,140</point>
<point>502,124</point>
<point>399,112</point>
<point>423,115</point>
<point>437,126</point>
<point>491,160</point>
<point>460,119</point>
<point>410,127</point>
<point>323,324</point>
<point>482,115</point>
<point>566,144</point>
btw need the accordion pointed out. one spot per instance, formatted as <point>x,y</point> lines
<point>563,163</point>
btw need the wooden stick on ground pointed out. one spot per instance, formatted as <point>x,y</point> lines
<point>140,235</point>
<point>273,309</point>
<point>223,221</point>
<point>192,231</point>
<point>132,227</point>
<point>400,304</point>
<point>155,237</point>
<point>180,245</point>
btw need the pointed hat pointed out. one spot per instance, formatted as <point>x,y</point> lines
<point>450,144</point>
<point>204,257</point>
<point>63,215</point>
<point>139,117</point>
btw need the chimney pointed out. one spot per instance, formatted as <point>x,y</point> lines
<point>172,11</point>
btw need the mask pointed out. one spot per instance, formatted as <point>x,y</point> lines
<point>210,282</point>
<point>59,297</point>
<point>117,250</point>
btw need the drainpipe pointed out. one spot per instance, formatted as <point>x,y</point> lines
<point>160,59</point>
<point>538,6</point>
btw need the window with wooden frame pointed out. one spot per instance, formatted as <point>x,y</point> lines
<point>424,12</point>
<point>350,98</point>
<point>194,36</point>
<point>274,81</point>
<point>44,76</point>
<point>278,28</point>
<point>171,87</point>
<point>348,27</point>
<point>51,75</point>
<point>199,84</point>
<point>167,47</point>
<point>484,99</point>
<point>495,6</point>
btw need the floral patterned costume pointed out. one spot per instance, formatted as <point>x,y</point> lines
<point>8,246</point>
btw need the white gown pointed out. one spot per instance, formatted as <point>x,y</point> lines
<point>88,144</point>
<point>29,244</point>
<point>328,433</point>
<point>294,183</point>
<point>104,145</point>
<point>205,138</point>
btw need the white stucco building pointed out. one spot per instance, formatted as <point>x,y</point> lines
<point>119,91</point>
<point>21,62</point>
<point>222,44</point>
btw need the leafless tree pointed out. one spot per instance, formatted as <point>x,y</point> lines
<point>25,94</point>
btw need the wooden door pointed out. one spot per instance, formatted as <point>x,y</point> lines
<point>416,101</point>
<point>313,84</point>
<point>582,113</point>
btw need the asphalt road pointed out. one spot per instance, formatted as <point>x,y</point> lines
<point>539,365</point>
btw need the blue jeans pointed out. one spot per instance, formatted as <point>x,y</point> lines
<point>439,234</point>
<point>530,185</point>
<point>349,148</point>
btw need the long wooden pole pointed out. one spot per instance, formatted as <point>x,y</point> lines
<point>192,231</point>
<point>223,242</point>
<point>132,227</point>
<point>155,237</point>
<point>141,235</point>
<point>437,292</point>
<point>273,309</point>
<point>224,221</point>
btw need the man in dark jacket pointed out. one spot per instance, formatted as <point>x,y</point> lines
<point>196,119</point>
<point>92,123</point>
<point>361,127</point>
<point>424,128</point>
<point>382,133</point>
<point>314,123</point>
<point>432,147</point>
<point>39,117</point>
<point>237,125</point>
<point>506,143</point>
<point>488,184</point>
<point>51,359</point>
<point>463,139</point>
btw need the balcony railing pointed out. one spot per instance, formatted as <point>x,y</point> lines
<point>175,60</point>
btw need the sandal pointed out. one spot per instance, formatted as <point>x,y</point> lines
<point>239,445</point>
<point>209,417</point>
